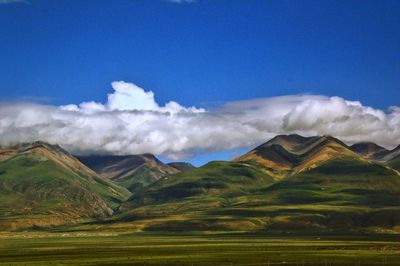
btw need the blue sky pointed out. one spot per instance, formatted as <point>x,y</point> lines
<point>202,53</point>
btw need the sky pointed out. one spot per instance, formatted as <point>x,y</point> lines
<point>197,80</point>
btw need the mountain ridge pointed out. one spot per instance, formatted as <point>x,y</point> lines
<point>293,153</point>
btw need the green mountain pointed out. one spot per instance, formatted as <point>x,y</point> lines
<point>133,172</point>
<point>184,201</point>
<point>289,183</point>
<point>43,185</point>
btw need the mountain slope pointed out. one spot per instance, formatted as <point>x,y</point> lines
<point>42,185</point>
<point>395,162</point>
<point>182,166</point>
<point>213,178</point>
<point>131,171</point>
<point>390,155</point>
<point>191,194</point>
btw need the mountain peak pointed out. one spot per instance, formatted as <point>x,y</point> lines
<point>298,144</point>
<point>292,138</point>
<point>367,149</point>
<point>290,143</point>
<point>27,146</point>
<point>297,153</point>
<point>132,171</point>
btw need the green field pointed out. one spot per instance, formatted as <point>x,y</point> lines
<point>196,249</point>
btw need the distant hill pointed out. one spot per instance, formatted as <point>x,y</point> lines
<point>182,166</point>
<point>379,154</point>
<point>131,171</point>
<point>368,149</point>
<point>43,185</point>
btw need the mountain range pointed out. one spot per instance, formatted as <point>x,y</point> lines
<point>288,183</point>
<point>132,171</point>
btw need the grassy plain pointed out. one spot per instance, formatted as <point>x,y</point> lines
<point>215,248</point>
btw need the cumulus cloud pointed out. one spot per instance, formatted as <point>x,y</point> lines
<point>131,122</point>
<point>127,96</point>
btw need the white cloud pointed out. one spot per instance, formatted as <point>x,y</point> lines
<point>128,97</point>
<point>131,122</point>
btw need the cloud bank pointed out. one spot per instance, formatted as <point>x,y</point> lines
<point>132,122</point>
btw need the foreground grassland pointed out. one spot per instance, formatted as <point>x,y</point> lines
<point>196,249</point>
